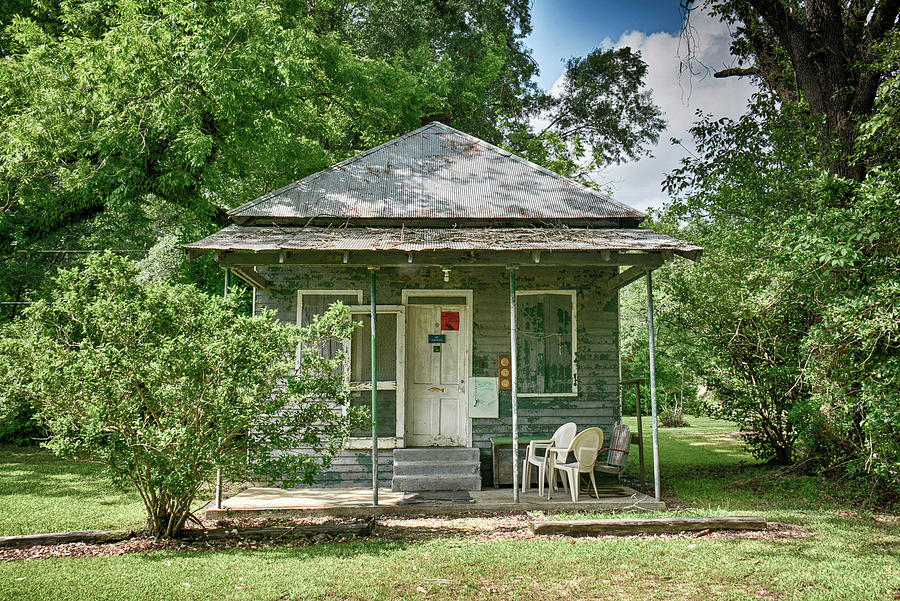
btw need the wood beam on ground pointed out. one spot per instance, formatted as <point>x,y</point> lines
<point>629,527</point>
<point>58,538</point>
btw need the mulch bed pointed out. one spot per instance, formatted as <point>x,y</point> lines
<point>473,528</point>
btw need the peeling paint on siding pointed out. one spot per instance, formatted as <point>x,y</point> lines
<point>597,401</point>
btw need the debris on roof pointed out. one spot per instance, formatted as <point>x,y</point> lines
<point>273,238</point>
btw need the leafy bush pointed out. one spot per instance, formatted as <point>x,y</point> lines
<point>794,309</point>
<point>162,384</point>
<point>17,420</point>
<point>672,417</point>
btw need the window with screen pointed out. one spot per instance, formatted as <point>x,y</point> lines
<point>386,373</point>
<point>546,344</point>
<point>358,353</point>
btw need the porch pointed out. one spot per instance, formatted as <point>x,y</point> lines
<point>259,502</point>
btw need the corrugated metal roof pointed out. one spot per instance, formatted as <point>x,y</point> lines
<point>435,172</point>
<point>259,239</point>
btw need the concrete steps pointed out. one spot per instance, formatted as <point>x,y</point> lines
<point>436,468</point>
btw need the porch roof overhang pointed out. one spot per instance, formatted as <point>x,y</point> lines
<point>267,245</point>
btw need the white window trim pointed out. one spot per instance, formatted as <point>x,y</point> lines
<point>466,293</point>
<point>574,295</point>
<point>398,385</point>
<point>384,442</point>
<point>319,292</point>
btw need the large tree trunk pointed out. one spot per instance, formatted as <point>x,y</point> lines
<point>829,50</point>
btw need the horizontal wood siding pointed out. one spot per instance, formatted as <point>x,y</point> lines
<point>597,357</point>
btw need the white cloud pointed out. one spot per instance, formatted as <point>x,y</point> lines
<point>680,95</point>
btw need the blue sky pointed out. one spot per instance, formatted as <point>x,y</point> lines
<point>566,28</point>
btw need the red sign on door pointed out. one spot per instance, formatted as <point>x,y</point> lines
<point>450,320</point>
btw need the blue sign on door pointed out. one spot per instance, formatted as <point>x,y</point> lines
<point>437,338</point>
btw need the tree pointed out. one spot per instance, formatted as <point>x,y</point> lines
<point>820,53</point>
<point>746,306</point>
<point>601,115</point>
<point>603,103</point>
<point>794,305</point>
<point>123,121</point>
<point>471,53</point>
<point>162,384</point>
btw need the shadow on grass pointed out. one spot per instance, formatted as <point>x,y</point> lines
<point>37,472</point>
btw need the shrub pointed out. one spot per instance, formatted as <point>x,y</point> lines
<point>162,384</point>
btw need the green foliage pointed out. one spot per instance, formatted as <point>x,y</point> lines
<point>746,314</point>
<point>793,310</point>
<point>469,54</point>
<point>854,348</point>
<point>676,380</point>
<point>126,121</point>
<point>601,115</point>
<point>162,384</point>
<point>603,103</point>
<point>17,421</point>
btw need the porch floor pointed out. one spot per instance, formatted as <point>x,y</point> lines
<point>357,502</point>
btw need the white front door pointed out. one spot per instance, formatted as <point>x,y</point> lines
<point>436,401</point>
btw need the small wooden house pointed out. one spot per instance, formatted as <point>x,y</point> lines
<point>445,233</point>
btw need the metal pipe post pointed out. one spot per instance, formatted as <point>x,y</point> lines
<point>374,389</point>
<point>640,429</point>
<point>619,354</point>
<point>219,469</point>
<point>652,336</point>
<point>515,400</point>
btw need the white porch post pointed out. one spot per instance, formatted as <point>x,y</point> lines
<point>515,399</point>
<point>652,336</point>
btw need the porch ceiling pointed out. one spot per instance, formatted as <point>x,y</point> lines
<point>413,240</point>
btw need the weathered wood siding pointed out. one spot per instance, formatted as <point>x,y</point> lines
<point>597,357</point>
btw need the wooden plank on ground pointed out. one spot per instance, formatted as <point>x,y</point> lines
<point>628,526</point>
<point>59,538</point>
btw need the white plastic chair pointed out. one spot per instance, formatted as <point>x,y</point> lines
<point>584,448</point>
<point>562,437</point>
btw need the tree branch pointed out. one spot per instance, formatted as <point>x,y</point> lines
<point>737,72</point>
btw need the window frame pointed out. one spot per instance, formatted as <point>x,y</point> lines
<point>398,386</point>
<point>573,294</point>
<point>318,292</point>
<point>322,292</point>
<point>357,442</point>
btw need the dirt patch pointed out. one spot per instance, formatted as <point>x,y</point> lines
<point>475,528</point>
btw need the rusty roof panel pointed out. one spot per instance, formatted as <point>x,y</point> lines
<point>259,238</point>
<point>436,172</point>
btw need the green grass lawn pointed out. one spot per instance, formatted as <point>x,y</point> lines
<point>41,493</point>
<point>850,555</point>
